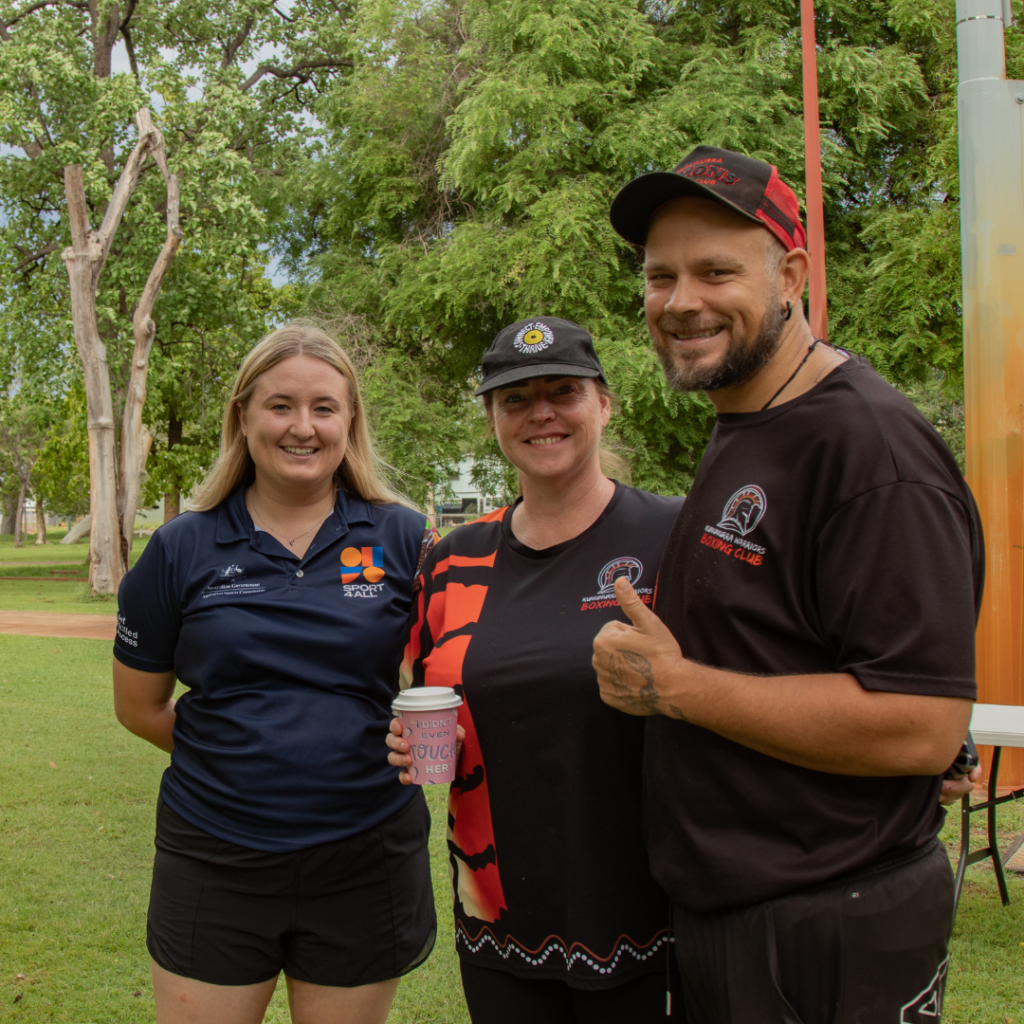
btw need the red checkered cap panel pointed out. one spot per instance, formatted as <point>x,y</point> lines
<point>779,211</point>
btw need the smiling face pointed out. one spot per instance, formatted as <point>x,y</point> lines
<point>550,427</point>
<point>712,296</point>
<point>296,425</point>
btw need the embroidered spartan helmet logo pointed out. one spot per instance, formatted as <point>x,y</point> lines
<point>631,568</point>
<point>744,510</point>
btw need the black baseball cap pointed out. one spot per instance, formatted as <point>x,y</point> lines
<point>545,346</point>
<point>750,187</point>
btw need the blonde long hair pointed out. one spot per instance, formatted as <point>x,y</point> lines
<point>360,472</point>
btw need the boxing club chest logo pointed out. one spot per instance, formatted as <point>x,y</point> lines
<point>740,516</point>
<point>624,566</point>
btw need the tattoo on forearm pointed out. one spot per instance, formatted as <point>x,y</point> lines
<point>677,713</point>
<point>646,700</point>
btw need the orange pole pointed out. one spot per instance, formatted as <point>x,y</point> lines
<point>991,141</point>
<point>812,160</point>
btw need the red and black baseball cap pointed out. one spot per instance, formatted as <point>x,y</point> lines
<point>751,187</point>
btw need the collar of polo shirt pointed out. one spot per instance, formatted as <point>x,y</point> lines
<point>234,524</point>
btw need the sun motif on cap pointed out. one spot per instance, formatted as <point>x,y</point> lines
<point>533,337</point>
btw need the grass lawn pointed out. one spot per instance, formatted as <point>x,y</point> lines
<point>77,798</point>
<point>52,595</point>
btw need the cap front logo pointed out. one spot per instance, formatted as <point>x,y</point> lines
<point>533,337</point>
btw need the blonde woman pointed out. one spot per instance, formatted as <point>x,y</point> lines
<point>284,840</point>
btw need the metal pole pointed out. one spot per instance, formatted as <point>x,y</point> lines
<point>991,123</point>
<point>812,161</point>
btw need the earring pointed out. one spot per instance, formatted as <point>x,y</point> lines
<point>789,310</point>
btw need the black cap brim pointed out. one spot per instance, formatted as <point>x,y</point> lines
<point>637,201</point>
<point>502,380</point>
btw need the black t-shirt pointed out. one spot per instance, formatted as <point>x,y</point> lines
<point>833,533</point>
<point>291,665</point>
<point>545,817</point>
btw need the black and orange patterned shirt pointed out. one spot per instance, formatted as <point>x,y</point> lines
<point>545,836</point>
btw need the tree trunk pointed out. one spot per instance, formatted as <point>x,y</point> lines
<point>10,512</point>
<point>114,485</point>
<point>172,499</point>
<point>84,259</point>
<point>40,521</point>
<point>77,532</point>
<point>19,514</point>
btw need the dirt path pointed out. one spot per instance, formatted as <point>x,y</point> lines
<point>54,564</point>
<point>85,627</point>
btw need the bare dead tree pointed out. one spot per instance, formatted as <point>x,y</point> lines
<point>114,484</point>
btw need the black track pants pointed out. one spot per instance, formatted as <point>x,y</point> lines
<point>869,950</point>
<point>497,997</point>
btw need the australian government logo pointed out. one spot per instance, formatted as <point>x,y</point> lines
<point>534,337</point>
<point>362,569</point>
<point>231,582</point>
<point>740,516</point>
<point>625,567</point>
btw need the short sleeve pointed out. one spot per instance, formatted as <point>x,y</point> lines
<point>148,612</point>
<point>430,538</point>
<point>896,579</point>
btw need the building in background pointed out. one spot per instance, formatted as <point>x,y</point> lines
<point>464,501</point>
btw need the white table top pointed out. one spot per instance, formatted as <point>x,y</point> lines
<point>1000,725</point>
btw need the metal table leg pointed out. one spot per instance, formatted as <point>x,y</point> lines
<point>993,840</point>
<point>992,850</point>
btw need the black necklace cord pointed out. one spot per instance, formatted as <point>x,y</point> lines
<point>810,349</point>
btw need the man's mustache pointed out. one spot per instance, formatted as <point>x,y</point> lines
<point>685,326</point>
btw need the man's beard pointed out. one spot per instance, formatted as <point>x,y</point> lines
<point>742,359</point>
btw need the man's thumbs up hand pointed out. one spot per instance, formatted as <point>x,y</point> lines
<point>634,664</point>
<point>639,614</point>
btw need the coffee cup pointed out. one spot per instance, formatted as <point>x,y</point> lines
<point>429,717</point>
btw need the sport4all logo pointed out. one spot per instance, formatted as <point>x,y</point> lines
<point>362,564</point>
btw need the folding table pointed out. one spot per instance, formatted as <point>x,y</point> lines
<point>998,725</point>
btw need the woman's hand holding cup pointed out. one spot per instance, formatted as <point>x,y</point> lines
<point>400,756</point>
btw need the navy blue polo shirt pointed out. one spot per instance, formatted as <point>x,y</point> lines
<point>290,664</point>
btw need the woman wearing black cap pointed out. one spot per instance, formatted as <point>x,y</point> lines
<point>557,916</point>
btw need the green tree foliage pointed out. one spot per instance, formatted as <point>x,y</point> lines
<point>472,154</point>
<point>230,84</point>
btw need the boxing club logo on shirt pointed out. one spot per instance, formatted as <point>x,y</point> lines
<point>740,516</point>
<point>625,566</point>
<point>744,510</point>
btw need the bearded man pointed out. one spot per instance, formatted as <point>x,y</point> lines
<point>809,661</point>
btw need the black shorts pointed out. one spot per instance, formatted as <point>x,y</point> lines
<point>352,912</point>
<point>871,947</point>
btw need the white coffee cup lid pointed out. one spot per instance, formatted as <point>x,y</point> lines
<point>426,698</point>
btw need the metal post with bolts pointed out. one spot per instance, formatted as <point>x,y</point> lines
<point>991,122</point>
